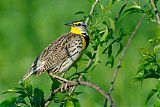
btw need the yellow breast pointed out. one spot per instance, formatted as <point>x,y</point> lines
<point>76,30</point>
<point>83,42</point>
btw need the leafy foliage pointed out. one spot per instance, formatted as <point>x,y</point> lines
<point>101,28</point>
<point>150,65</point>
<point>106,41</point>
<point>35,96</point>
<point>150,62</point>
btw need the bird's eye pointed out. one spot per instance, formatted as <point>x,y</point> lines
<point>79,24</point>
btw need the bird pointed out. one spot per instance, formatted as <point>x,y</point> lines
<point>62,53</point>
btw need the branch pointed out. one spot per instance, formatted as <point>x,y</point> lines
<point>79,83</point>
<point>50,98</point>
<point>124,52</point>
<point>122,56</point>
<point>156,11</point>
<point>91,11</point>
<point>116,19</point>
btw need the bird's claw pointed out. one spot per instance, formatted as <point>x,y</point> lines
<point>64,86</point>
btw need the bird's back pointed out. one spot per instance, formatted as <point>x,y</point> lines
<point>59,55</point>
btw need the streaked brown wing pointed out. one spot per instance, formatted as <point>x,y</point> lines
<point>52,55</point>
<point>64,54</point>
<point>58,56</point>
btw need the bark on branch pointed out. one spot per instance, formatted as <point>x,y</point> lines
<point>122,56</point>
<point>156,11</point>
<point>79,83</point>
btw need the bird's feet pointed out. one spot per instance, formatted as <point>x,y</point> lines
<point>65,85</point>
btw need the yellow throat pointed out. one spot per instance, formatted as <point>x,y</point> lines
<point>75,30</point>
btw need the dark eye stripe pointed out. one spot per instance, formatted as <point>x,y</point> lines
<point>84,25</point>
<point>80,24</point>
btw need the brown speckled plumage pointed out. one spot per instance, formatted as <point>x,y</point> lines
<point>59,55</point>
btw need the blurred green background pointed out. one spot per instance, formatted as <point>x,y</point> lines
<point>28,26</point>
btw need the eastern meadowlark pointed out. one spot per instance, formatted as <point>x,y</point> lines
<point>62,53</point>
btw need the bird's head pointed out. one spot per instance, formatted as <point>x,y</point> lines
<point>77,27</point>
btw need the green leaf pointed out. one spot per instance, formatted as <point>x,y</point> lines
<point>158,95</point>
<point>151,40</point>
<point>111,3</point>
<point>112,24</point>
<point>88,53</point>
<point>76,103</point>
<point>11,102</point>
<point>38,97</point>
<point>27,87</point>
<point>91,1</point>
<point>77,93</point>
<point>156,104</point>
<point>68,103</point>
<point>97,57</point>
<point>20,99</point>
<point>157,49</point>
<point>101,7</point>
<point>133,9</point>
<point>104,51</point>
<point>110,61</point>
<point>155,1</point>
<point>109,50</point>
<point>110,34</point>
<point>55,84</point>
<point>110,57</point>
<point>158,87</point>
<point>16,90</point>
<point>104,36</point>
<point>120,48</point>
<point>105,23</point>
<point>151,93</point>
<point>13,90</point>
<point>79,12</point>
<point>84,77</point>
<point>61,104</point>
<point>121,32</point>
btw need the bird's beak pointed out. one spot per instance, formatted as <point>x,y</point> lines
<point>68,24</point>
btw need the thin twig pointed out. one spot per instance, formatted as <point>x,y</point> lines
<point>123,54</point>
<point>156,11</point>
<point>80,83</point>
<point>116,19</point>
<point>91,11</point>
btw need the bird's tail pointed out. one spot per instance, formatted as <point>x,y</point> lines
<point>30,72</point>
